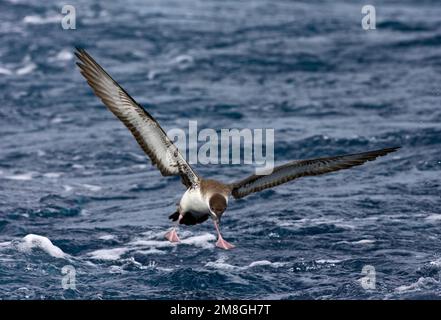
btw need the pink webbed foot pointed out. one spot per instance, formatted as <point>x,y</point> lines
<point>172,236</point>
<point>221,243</point>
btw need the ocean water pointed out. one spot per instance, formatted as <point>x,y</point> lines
<point>76,190</point>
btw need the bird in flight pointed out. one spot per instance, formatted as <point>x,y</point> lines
<point>203,198</point>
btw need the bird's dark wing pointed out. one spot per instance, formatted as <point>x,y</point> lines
<point>146,130</point>
<point>302,168</point>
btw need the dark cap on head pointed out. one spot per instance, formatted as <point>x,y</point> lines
<point>218,204</point>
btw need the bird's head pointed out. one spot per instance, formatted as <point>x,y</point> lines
<point>218,204</point>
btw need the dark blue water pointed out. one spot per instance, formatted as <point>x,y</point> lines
<point>71,173</point>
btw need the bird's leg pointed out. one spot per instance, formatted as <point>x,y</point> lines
<point>221,243</point>
<point>172,235</point>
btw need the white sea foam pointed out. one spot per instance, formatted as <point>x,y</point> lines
<point>108,254</point>
<point>326,261</point>
<point>26,69</point>
<point>5,71</point>
<point>64,55</point>
<point>306,222</point>
<point>107,237</point>
<point>422,283</point>
<point>20,177</point>
<point>223,265</point>
<point>151,251</point>
<point>52,175</point>
<point>41,153</point>
<point>57,120</point>
<point>151,243</point>
<point>152,74</point>
<point>184,58</point>
<point>434,217</point>
<point>137,156</point>
<point>34,19</point>
<point>364,241</point>
<point>67,188</point>
<point>183,61</point>
<point>33,241</point>
<point>436,263</point>
<point>91,187</point>
<point>116,269</point>
<point>201,241</point>
<point>282,223</point>
<point>165,269</point>
<point>139,166</point>
<point>5,244</point>
<point>266,263</point>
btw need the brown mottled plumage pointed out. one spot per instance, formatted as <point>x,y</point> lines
<point>301,168</point>
<point>146,130</point>
<point>218,204</point>
<point>209,187</point>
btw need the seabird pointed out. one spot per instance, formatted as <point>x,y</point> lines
<point>203,198</point>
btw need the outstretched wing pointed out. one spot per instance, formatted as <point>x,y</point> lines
<point>302,168</point>
<point>146,130</point>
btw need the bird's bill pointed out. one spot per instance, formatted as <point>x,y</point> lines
<point>214,216</point>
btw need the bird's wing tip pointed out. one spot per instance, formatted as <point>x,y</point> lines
<point>79,52</point>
